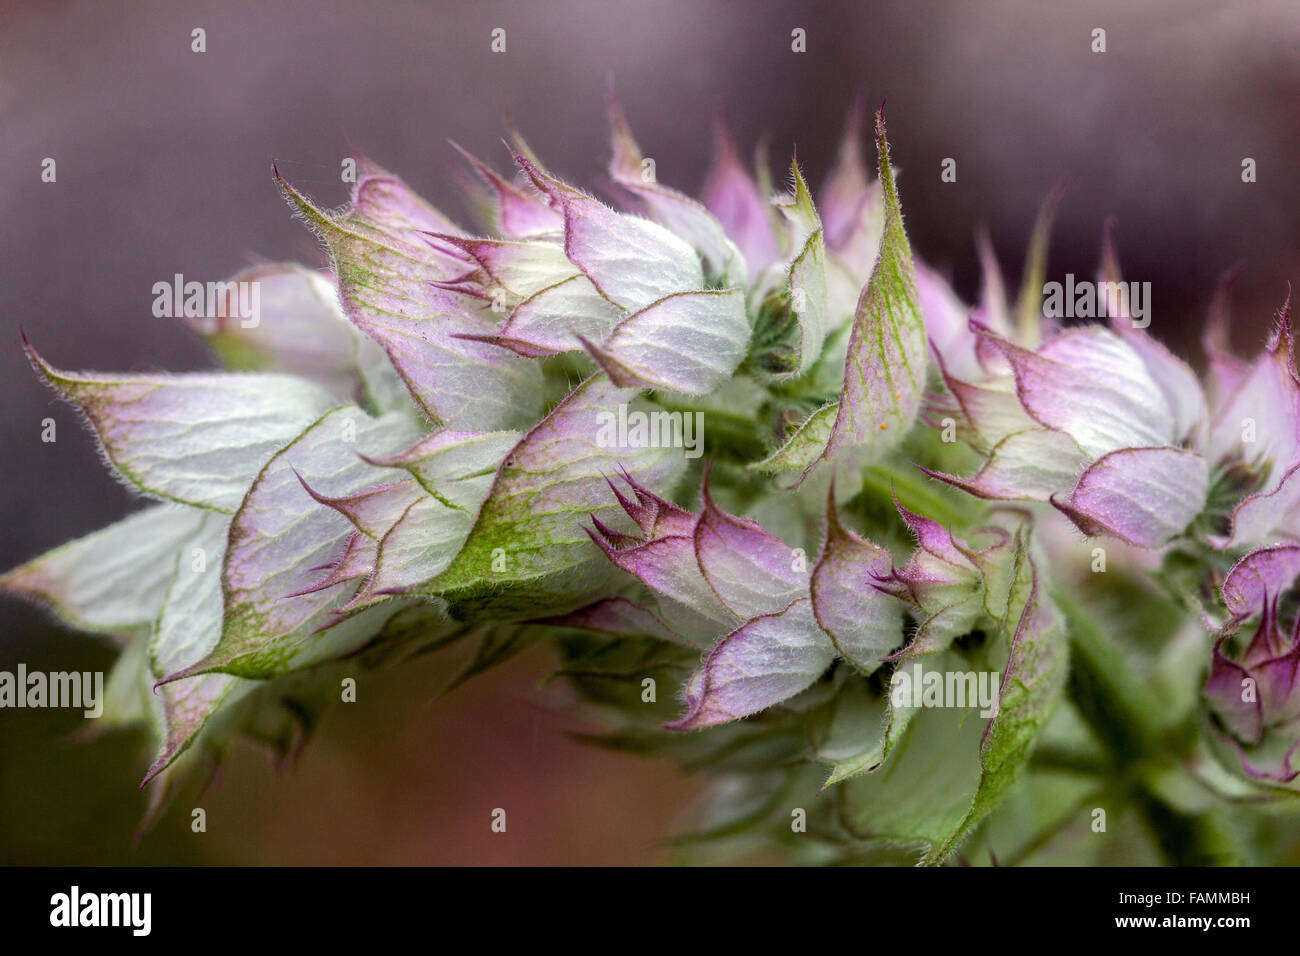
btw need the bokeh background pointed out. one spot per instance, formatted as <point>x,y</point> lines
<point>163,166</point>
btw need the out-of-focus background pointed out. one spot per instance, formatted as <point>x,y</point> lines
<point>163,166</point>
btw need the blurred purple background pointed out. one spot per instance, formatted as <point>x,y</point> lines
<point>163,164</point>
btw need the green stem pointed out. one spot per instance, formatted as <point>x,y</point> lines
<point>1115,705</point>
<point>730,434</point>
<point>919,494</point>
<point>1049,833</point>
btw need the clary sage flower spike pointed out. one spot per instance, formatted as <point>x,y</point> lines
<point>785,508</point>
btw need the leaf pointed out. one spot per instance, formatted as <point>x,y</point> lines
<point>807,278</point>
<point>1027,647</point>
<point>516,212</point>
<point>518,267</point>
<point>1093,386</point>
<point>631,261</point>
<point>930,643</point>
<point>804,447</point>
<point>129,700</point>
<point>736,200</point>
<point>280,538</point>
<point>1262,573</point>
<point>885,370</point>
<point>457,468</point>
<point>664,558</point>
<point>187,629</point>
<point>113,580</point>
<point>386,272</point>
<point>885,361</point>
<point>864,623</point>
<point>925,789</point>
<point>1031,465</point>
<point>557,319</point>
<point>198,439</point>
<point>618,617</point>
<point>298,327</point>
<point>382,389</point>
<point>855,719</point>
<point>419,546</point>
<point>418,532</point>
<point>189,622</point>
<point>1268,398</point>
<point>1029,303</point>
<point>624,288</point>
<point>1144,496</point>
<point>532,524</point>
<point>766,660</point>
<point>750,571</point>
<point>689,342</point>
<point>684,216</point>
<point>990,412</point>
<point>1031,687</point>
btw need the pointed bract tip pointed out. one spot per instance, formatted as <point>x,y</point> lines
<point>465,154</point>
<point>893,494</point>
<point>601,537</point>
<point>281,182</point>
<point>623,501</point>
<point>1230,275</point>
<point>291,193</point>
<point>856,114</point>
<point>1281,332</point>
<point>910,517</point>
<point>42,367</point>
<point>833,525</point>
<point>606,531</point>
<point>726,155</point>
<point>198,667</point>
<point>1109,267</point>
<point>156,768</point>
<point>308,488</point>
<point>1108,230</point>
<point>520,145</point>
<point>691,720</point>
<point>705,497</point>
<point>1284,330</point>
<point>533,171</point>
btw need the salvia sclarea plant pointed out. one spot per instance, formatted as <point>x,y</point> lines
<point>885,568</point>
